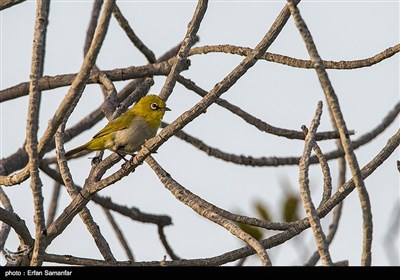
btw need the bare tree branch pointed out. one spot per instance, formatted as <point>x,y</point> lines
<point>51,213</point>
<point>119,74</point>
<point>300,63</point>
<point>305,194</point>
<point>258,123</point>
<point>337,213</point>
<point>122,21</point>
<point>119,234</point>
<point>18,225</point>
<point>338,119</point>
<point>166,245</point>
<point>299,226</point>
<point>39,41</point>
<point>181,56</point>
<point>9,3</point>
<point>278,161</point>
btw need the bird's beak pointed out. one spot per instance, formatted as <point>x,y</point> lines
<point>166,109</point>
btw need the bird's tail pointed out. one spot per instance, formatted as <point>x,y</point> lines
<point>77,150</point>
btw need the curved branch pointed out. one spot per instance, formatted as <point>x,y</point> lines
<point>194,202</point>
<point>123,22</point>
<point>18,225</point>
<point>166,245</point>
<point>305,194</point>
<point>181,57</point>
<point>119,235</point>
<point>300,63</point>
<point>258,123</point>
<point>119,74</point>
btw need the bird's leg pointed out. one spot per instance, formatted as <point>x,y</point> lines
<point>98,158</point>
<point>121,156</point>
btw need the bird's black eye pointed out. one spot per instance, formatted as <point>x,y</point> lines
<point>154,106</point>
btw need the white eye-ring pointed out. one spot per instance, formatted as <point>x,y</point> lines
<point>154,106</point>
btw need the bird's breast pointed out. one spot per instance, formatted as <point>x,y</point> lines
<point>130,139</point>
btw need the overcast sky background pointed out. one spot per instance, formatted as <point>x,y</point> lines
<point>280,95</point>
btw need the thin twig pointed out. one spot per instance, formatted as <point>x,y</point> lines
<point>51,213</point>
<point>305,190</point>
<point>338,119</point>
<point>94,18</point>
<point>166,245</point>
<point>275,240</point>
<point>123,22</point>
<point>181,56</point>
<point>18,225</point>
<point>326,172</point>
<point>110,102</point>
<point>119,234</point>
<point>299,226</point>
<point>97,4</point>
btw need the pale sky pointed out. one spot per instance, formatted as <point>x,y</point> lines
<point>280,95</point>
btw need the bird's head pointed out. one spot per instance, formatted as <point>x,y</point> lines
<point>152,108</point>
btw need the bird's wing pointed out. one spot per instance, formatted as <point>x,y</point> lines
<point>119,123</point>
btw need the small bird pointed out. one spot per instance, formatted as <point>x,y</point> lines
<point>127,133</point>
